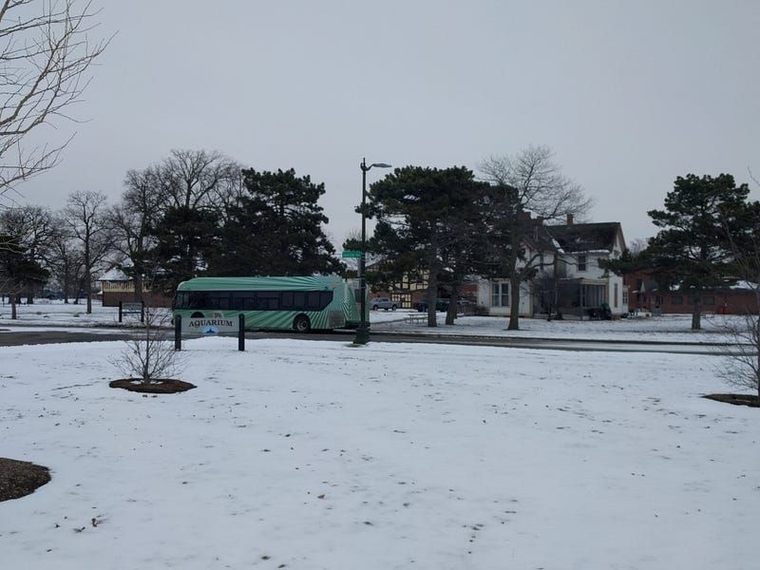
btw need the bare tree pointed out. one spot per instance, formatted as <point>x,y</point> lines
<point>66,261</point>
<point>85,216</point>
<point>742,368</point>
<point>196,186</point>
<point>540,185</point>
<point>34,228</point>
<point>192,179</point>
<point>45,57</point>
<point>531,182</point>
<point>150,355</point>
<point>133,223</point>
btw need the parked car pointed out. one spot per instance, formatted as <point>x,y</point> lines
<point>441,305</point>
<point>383,303</point>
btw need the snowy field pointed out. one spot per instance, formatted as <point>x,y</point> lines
<point>310,455</point>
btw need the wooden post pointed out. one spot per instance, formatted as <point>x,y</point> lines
<point>120,310</point>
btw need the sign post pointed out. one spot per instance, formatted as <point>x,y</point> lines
<point>241,332</point>
<point>178,332</point>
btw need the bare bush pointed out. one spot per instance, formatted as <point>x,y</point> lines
<point>150,356</point>
<point>741,368</point>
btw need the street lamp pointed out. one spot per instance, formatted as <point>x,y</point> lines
<point>362,331</point>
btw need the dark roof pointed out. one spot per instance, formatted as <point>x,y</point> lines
<point>575,238</point>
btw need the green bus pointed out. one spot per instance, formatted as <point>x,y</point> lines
<point>270,303</point>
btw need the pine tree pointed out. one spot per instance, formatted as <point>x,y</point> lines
<point>276,228</point>
<point>692,251</point>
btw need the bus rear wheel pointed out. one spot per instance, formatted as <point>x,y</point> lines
<point>301,324</point>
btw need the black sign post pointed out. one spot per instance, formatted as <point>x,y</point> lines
<point>241,332</point>
<point>177,332</point>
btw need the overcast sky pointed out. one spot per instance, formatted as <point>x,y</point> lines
<point>629,95</point>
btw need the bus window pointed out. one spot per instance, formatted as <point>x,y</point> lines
<point>267,301</point>
<point>318,300</point>
<point>195,300</point>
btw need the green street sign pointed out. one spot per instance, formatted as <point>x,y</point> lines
<point>351,254</point>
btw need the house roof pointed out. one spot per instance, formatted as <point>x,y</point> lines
<point>575,238</point>
<point>114,274</point>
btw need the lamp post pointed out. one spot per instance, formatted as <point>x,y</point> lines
<point>362,331</point>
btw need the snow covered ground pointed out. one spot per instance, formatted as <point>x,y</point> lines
<point>309,455</point>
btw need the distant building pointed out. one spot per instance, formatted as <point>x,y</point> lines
<point>116,287</point>
<point>737,297</point>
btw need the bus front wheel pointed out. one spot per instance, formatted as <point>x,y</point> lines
<point>301,324</point>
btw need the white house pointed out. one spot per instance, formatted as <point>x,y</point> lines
<point>568,278</point>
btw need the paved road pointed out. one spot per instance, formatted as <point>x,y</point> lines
<point>16,338</point>
<point>517,342</point>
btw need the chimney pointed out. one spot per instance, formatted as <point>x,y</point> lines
<point>569,219</point>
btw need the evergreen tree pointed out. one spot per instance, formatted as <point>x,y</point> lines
<point>429,227</point>
<point>186,239</point>
<point>276,228</point>
<point>692,250</point>
<point>19,271</point>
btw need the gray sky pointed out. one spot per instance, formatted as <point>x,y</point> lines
<point>629,95</point>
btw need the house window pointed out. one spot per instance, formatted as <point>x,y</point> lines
<point>615,296</point>
<point>676,299</point>
<point>709,300</point>
<point>625,297</point>
<point>499,294</point>
<point>581,262</point>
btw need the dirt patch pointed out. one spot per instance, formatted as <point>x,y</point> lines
<point>20,478</point>
<point>736,399</point>
<point>154,387</point>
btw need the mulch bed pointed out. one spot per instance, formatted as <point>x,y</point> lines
<point>20,478</point>
<point>153,387</point>
<point>737,399</point>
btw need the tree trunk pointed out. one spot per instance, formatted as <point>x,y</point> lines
<point>696,316</point>
<point>12,299</point>
<point>451,313</point>
<point>88,274</point>
<point>432,296</point>
<point>514,302</point>
<point>756,337</point>
<point>138,283</point>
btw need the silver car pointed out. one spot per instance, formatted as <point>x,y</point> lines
<point>383,303</point>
